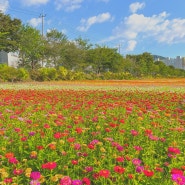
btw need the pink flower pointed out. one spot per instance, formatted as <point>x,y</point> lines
<point>173,150</point>
<point>34,182</point>
<point>66,180</point>
<point>134,132</point>
<point>136,162</point>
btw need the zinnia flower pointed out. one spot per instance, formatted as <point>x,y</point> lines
<point>148,173</point>
<point>49,165</point>
<point>66,180</point>
<point>119,169</point>
<point>104,173</point>
<point>76,182</point>
<point>35,175</point>
<point>179,179</point>
<point>136,162</point>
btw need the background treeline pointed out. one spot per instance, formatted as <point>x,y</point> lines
<point>55,57</point>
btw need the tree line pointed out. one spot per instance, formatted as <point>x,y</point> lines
<point>47,57</point>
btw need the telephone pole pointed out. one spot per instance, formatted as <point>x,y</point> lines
<point>42,17</point>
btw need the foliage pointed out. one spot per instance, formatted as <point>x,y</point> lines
<point>11,74</point>
<point>31,48</point>
<point>9,33</point>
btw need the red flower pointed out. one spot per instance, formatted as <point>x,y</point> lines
<point>90,146</point>
<point>148,173</point>
<point>120,159</point>
<point>104,173</point>
<point>177,171</point>
<point>71,139</point>
<point>86,181</point>
<point>119,169</point>
<point>49,165</point>
<point>40,147</point>
<point>79,130</point>
<point>130,176</point>
<point>57,135</point>
<point>8,180</point>
<point>17,171</point>
<point>74,162</point>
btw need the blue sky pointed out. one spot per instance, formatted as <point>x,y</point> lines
<point>154,26</point>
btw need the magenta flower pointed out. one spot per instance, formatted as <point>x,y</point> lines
<point>139,169</point>
<point>35,175</point>
<point>13,160</point>
<point>88,168</point>
<point>76,182</point>
<point>179,179</point>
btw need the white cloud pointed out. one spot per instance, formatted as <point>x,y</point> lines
<point>35,22</point>
<point>134,7</point>
<point>4,4</point>
<point>131,44</point>
<point>68,5</point>
<point>87,23</point>
<point>159,28</point>
<point>34,2</point>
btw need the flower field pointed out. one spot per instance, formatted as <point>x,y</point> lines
<point>75,136</point>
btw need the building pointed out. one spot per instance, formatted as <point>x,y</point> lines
<point>11,59</point>
<point>178,62</point>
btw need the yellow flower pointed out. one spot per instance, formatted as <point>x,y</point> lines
<point>4,174</point>
<point>28,170</point>
<point>27,174</point>
<point>54,178</point>
<point>98,127</point>
<point>61,141</point>
<point>59,176</point>
<point>24,160</point>
<point>2,170</point>
<point>42,179</point>
<point>102,150</point>
<point>100,143</point>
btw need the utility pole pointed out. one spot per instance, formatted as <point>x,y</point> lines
<point>42,17</point>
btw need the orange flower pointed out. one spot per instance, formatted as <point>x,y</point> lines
<point>9,155</point>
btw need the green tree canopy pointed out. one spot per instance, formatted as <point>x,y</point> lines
<point>31,47</point>
<point>9,33</point>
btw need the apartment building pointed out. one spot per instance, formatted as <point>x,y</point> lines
<point>178,62</point>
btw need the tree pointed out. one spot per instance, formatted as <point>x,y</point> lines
<point>9,33</point>
<point>55,47</point>
<point>105,59</point>
<point>31,48</point>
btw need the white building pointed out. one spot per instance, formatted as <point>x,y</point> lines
<point>11,59</point>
